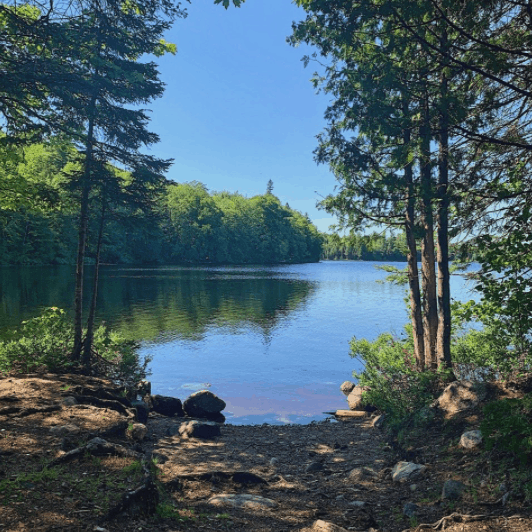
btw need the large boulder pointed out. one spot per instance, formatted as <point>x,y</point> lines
<point>203,404</point>
<point>354,399</point>
<point>167,406</point>
<point>355,402</point>
<point>460,396</point>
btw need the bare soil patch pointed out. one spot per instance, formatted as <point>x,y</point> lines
<point>304,470</point>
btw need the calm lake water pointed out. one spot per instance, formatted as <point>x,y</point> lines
<point>272,342</point>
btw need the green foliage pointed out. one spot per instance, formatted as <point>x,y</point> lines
<point>392,382</point>
<point>506,427</point>
<point>41,342</point>
<point>45,342</point>
<point>482,339</point>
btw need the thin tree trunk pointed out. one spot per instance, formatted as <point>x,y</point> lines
<point>82,238</point>
<point>428,259</point>
<point>413,273</point>
<point>89,335</point>
<point>442,219</point>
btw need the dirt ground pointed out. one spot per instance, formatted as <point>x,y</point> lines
<point>339,472</point>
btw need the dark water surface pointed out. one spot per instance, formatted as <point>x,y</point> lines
<point>272,342</point>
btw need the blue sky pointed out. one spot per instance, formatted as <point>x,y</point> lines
<point>239,108</point>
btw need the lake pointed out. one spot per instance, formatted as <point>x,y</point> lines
<point>272,341</point>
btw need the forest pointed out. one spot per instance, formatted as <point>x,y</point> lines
<point>171,224</point>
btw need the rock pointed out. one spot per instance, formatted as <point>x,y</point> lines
<point>197,429</point>
<point>378,422</point>
<point>413,487</point>
<point>505,498</point>
<point>358,504</point>
<point>141,411</point>
<point>404,471</point>
<point>354,399</point>
<point>203,404</point>
<point>274,461</point>
<point>460,396</point>
<point>137,432</point>
<point>361,473</point>
<point>471,439</point>
<point>324,526</point>
<point>167,406</point>
<point>69,401</point>
<point>65,430</point>
<point>314,466</point>
<point>410,509</point>
<point>242,500</point>
<point>453,489</point>
<point>347,387</point>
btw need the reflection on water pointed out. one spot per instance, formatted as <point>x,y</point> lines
<point>158,304</point>
<point>272,342</point>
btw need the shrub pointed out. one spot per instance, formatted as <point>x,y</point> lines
<point>390,378</point>
<point>46,342</point>
<point>41,342</point>
<point>506,427</point>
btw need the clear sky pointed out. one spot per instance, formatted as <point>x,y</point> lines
<point>239,108</point>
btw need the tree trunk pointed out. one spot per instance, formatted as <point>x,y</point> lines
<point>89,335</point>
<point>82,238</point>
<point>413,274</point>
<point>442,219</point>
<point>428,259</point>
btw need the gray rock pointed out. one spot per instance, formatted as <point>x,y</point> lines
<point>413,487</point>
<point>505,498</point>
<point>274,461</point>
<point>471,439</point>
<point>347,387</point>
<point>198,429</point>
<point>172,430</point>
<point>167,406</point>
<point>460,396</point>
<point>242,500</point>
<point>361,473</point>
<point>453,490</point>
<point>378,421</point>
<point>69,401</point>
<point>313,467</point>
<point>137,432</point>
<point>65,430</point>
<point>410,509</point>
<point>203,404</point>
<point>358,504</point>
<point>404,471</point>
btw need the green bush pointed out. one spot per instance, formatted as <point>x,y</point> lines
<point>46,342</point>
<point>490,350</point>
<point>390,378</point>
<point>507,427</point>
<point>41,342</point>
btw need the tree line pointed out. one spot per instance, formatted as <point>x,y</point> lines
<point>374,246</point>
<point>178,223</point>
